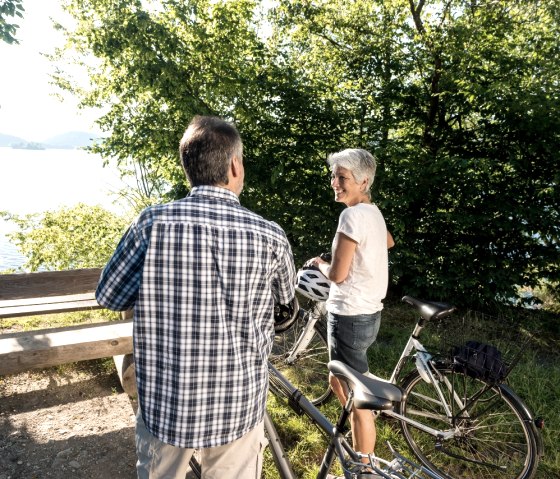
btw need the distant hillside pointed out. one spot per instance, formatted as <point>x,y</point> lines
<point>70,140</point>
<point>9,140</point>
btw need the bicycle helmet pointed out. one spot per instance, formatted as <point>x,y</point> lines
<point>313,284</point>
<point>285,315</point>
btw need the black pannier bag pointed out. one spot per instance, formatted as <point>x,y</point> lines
<point>479,360</point>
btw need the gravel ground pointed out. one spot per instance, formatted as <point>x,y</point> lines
<point>70,422</point>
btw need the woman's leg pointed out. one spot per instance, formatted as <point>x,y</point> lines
<point>361,421</point>
<point>363,431</point>
<point>349,338</point>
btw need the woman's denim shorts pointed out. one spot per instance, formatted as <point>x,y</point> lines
<point>350,337</point>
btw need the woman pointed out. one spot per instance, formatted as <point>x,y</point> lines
<point>359,277</point>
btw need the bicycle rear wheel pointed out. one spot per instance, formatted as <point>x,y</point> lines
<point>493,439</point>
<point>307,368</point>
<point>196,470</point>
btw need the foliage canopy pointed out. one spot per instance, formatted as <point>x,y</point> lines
<point>10,8</point>
<point>458,99</point>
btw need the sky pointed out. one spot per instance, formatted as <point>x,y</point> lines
<point>28,107</point>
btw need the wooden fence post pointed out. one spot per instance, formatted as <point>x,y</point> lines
<point>125,366</point>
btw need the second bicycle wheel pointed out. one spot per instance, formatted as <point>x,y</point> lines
<point>492,439</point>
<point>304,363</point>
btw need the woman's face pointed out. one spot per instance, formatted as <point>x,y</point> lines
<point>346,189</point>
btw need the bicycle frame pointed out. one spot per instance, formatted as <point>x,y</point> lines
<point>338,445</point>
<point>422,364</point>
<point>306,334</point>
<point>301,405</point>
<point>423,359</point>
<point>411,345</point>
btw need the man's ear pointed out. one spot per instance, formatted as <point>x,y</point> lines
<point>235,166</point>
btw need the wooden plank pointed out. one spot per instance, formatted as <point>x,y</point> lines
<point>48,305</point>
<point>51,347</point>
<point>48,283</point>
<point>47,300</point>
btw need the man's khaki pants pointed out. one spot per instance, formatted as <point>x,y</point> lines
<point>241,459</point>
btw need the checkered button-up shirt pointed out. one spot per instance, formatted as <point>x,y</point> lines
<point>202,274</point>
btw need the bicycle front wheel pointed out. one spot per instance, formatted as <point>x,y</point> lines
<point>493,439</point>
<point>304,363</point>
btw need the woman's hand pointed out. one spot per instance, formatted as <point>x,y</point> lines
<point>320,264</point>
<point>314,262</point>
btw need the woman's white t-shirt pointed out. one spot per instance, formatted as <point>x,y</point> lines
<point>366,284</point>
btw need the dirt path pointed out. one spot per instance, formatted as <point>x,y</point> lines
<point>71,422</point>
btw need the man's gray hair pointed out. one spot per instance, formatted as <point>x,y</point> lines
<point>207,148</point>
<point>361,164</point>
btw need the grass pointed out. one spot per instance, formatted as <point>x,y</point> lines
<point>536,379</point>
<point>29,323</point>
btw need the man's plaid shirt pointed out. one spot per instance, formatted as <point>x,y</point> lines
<point>202,274</point>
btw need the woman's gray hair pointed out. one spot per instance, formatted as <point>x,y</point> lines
<point>360,163</point>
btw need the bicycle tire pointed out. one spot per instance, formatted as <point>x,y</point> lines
<point>493,428</point>
<point>196,470</point>
<point>308,372</point>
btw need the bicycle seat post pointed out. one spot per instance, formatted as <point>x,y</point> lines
<point>345,413</point>
<point>337,432</point>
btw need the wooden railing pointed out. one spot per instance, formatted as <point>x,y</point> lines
<point>56,292</point>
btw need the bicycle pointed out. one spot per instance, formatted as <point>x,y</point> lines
<point>460,418</point>
<point>364,392</point>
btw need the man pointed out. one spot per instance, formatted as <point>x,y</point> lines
<point>203,275</point>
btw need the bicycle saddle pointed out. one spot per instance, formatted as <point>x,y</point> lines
<point>430,309</point>
<point>369,393</point>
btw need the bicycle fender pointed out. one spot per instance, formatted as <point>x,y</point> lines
<point>528,416</point>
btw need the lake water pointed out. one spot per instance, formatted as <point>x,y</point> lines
<point>34,181</point>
